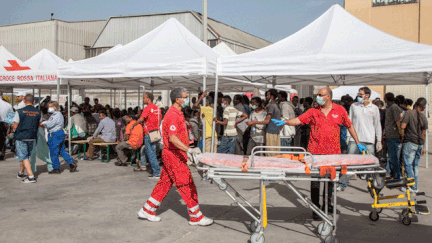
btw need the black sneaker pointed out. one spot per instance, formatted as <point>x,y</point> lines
<point>151,176</point>
<point>73,166</point>
<point>28,180</point>
<point>119,163</point>
<point>21,176</point>
<point>55,171</point>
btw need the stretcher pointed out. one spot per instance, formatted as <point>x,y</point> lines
<point>287,166</point>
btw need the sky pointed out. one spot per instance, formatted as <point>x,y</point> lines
<point>272,20</point>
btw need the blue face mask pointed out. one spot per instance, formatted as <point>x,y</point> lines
<point>360,100</point>
<point>223,106</point>
<point>186,103</point>
<point>320,100</point>
<point>254,107</point>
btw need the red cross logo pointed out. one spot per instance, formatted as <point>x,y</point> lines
<point>15,66</point>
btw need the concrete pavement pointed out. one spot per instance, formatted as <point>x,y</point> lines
<point>100,201</point>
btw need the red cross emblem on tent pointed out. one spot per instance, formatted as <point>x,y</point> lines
<point>15,66</point>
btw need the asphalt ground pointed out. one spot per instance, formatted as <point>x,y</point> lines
<point>99,203</point>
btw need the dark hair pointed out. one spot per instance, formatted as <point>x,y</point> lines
<point>131,115</point>
<point>238,98</point>
<point>150,96</point>
<point>409,102</point>
<point>273,92</point>
<point>295,96</point>
<point>220,95</point>
<point>308,100</point>
<point>212,94</point>
<point>366,90</point>
<point>246,100</point>
<point>188,112</point>
<point>176,93</point>
<point>379,102</point>
<point>209,99</point>
<point>123,112</point>
<point>301,101</point>
<point>103,112</point>
<point>87,113</point>
<point>389,97</point>
<point>401,99</point>
<point>29,99</point>
<point>227,99</point>
<point>284,95</point>
<point>420,102</point>
<point>116,114</point>
<point>96,99</point>
<point>258,100</point>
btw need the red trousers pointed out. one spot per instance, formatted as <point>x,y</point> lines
<point>175,171</point>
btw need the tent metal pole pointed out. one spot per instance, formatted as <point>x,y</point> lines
<point>139,94</point>
<point>144,92</point>
<point>203,121</point>
<point>427,135</point>
<point>58,90</point>
<point>13,98</point>
<point>69,116</point>
<point>125,100</point>
<point>33,93</point>
<point>50,93</point>
<point>39,93</point>
<point>214,115</point>
<point>111,98</point>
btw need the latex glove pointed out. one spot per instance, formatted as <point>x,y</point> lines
<point>278,122</point>
<point>379,146</point>
<point>362,148</point>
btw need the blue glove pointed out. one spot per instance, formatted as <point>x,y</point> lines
<point>362,148</point>
<point>278,122</point>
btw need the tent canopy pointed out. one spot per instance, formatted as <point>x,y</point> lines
<point>169,50</point>
<point>352,91</point>
<point>224,50</point>
<point>14,72</point>
<point>44,60</point>
<point>335,49</point>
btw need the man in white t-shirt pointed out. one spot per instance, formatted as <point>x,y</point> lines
<point>20,97</point>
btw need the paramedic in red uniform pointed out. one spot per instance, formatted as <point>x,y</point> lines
<point>175,170</point>
<point>325,121</point>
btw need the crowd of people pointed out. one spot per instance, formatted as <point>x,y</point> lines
<point>393,130</point>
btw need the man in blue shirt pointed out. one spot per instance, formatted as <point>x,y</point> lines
<point>26,125</point>
<point>108,133</point>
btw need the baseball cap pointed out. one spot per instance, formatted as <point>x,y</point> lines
<point>21,94</point>
<point>75,109</point>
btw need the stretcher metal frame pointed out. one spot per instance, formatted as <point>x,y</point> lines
<point>328,227</point>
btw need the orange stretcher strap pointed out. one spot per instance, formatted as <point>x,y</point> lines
<point>328,170</point>
<point>300,158</point>
<point>244,164</point>
<point>344,169</point>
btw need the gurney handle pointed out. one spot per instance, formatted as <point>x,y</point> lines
<point>303,151</point>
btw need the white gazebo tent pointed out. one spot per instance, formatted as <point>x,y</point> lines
<point>335,49</point>
<point>167,57</point>
<point>224,50</point>
<point>351,91</point>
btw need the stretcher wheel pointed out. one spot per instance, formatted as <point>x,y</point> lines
<point>331,239</point>
<point>223,186</point>
<point>378,183</point>
<point>374,216</point>
<point>379,210</point>
<point>254,238</point>
<point>255,226</point>
<point>405,212</point>
<point>324,229</point>
<point>406,220</point>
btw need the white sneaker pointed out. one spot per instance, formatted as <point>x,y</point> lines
<point>403,189</point>
<point>29,180</point>
<point>203,222</point>
<point>339,188</point>
<point>144,215</point>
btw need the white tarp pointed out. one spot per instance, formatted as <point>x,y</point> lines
<point>335,49</point>
<point>14,72</point>
<point>224,50</point>
<point>169,50</point>
<point>44,60</point>
<point>352,91</point>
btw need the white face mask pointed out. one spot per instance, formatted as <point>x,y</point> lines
<point>51,110</point>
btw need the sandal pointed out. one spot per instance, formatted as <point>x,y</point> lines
<point>139,169</point>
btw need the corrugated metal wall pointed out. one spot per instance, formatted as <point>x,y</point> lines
<point>123,30</point>
<point>72,37</point>
<point>25,40</point>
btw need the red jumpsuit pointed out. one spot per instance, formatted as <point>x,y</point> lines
<point>175,170</point>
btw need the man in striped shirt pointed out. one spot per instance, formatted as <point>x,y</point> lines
<point>230,114</point>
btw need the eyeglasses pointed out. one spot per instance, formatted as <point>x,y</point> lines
<point>321,95</point>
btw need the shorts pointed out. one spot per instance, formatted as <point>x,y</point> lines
<point>24,149</point>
